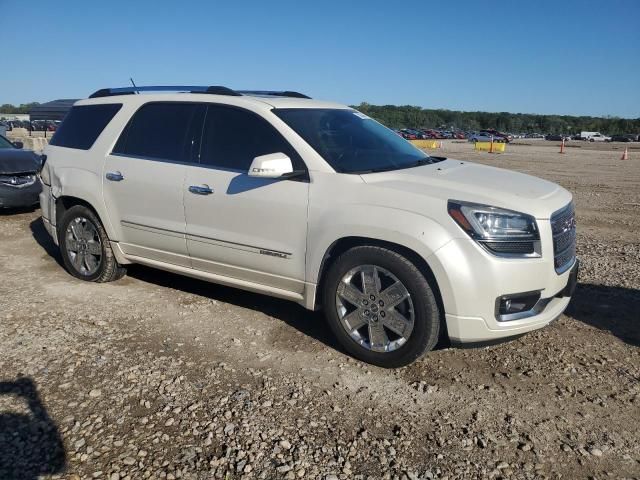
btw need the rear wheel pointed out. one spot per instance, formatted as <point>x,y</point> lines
<point>380,307</point>
<point>85,248</point>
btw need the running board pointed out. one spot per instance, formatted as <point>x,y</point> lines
<point>220,279</point>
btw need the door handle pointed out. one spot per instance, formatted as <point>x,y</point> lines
<point>200,189</point>
<point>115,176</point>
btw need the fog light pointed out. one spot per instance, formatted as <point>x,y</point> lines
<point>519,305</point>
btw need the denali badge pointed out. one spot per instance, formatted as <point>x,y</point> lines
<point>273,254</point>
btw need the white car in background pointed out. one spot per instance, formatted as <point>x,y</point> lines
<point>313,202</point>
<point>598,137</point>
<point>483,137</point>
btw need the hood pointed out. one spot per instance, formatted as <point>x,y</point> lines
<point>461,180</point>
<point>13,160</point>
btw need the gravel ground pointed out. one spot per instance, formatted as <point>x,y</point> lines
<point>160,376</point>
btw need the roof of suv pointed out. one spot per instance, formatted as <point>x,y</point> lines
<point>272,102</point>
<point>272,99</point>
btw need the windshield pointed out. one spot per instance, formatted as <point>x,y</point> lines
<point>4,143</point>
<point>350,141</point>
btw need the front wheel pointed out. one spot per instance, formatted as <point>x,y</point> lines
<point>85,248</point>
<point>380,307</point>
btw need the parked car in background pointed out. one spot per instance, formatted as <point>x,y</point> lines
<point>623,138</point>
<point>337,213</point>
<point>408,135</point>
<point>557,137</point>
<point>496,134</point>
<point>433,134</point>
<point>594,137</point>
<point>19,184</point>
<point>44,125</point>
<point>485,137</point>
<point>598,137</point>
<point>419,134</point>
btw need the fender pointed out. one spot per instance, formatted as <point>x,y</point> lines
<point>85,185</point>
<point>414,231</point>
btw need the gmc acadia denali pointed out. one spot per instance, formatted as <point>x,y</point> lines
<point>313,202</point>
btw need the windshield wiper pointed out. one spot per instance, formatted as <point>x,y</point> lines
<point>418,163</point>
<point>389,168</point>
<point>422,161</point>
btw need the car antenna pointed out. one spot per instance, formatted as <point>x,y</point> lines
<point>134,84</point>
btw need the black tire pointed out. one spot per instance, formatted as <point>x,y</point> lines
<point>108,268</point>
<point>425,333</point>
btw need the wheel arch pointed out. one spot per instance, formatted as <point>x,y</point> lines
<point>65,202</point>
<point>343,244</point>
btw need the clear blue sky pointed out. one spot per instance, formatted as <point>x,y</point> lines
<point>564,56</point>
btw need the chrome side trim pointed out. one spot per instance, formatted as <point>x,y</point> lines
<point>148,228</point>
<point>210,240</point>
<point>238,246</point>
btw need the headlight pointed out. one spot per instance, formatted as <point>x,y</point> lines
<point>502,232</point>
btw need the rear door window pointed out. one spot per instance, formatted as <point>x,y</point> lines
<point>83,125</point>
<point>162,130</point>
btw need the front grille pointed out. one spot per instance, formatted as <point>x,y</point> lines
<point>18,179</point>
<point>563,228</point>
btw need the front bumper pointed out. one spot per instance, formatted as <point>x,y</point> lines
<point>17,197</point>
<point>475,329</point>
<point>471,279</point>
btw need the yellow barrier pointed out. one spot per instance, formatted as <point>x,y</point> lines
<point>486,147</point>
<point>426,143</point>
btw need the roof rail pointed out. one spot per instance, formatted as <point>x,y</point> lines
<point>215,90</point>
<point>272,93</point>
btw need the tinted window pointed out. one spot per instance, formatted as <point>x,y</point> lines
<point>352,142</point>
<point>160,130</point>
<point>83,124</point>
<point>232,138</point>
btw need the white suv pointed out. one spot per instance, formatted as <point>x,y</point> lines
<point>313,202</point>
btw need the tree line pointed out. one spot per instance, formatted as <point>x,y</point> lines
<point>22,108</point>
<point>407,116</point>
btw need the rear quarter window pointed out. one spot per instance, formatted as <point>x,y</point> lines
<point>83,125</point>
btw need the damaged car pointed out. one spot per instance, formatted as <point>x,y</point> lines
<point>19,183</point>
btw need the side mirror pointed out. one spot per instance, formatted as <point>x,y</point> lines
<point>273,165</point>
<point>18,144</point>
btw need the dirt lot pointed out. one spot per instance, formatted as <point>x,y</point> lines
<point>159,376</point>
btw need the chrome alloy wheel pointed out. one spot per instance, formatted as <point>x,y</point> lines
<point>375,308</point>
<point>83,246</point>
